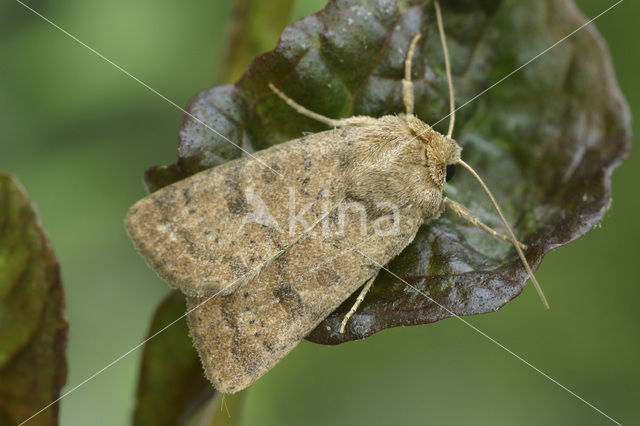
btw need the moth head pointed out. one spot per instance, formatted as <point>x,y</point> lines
<point>441,152</point>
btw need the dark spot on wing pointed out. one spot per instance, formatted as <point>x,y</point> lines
<point>328,277</point>
<point>237,205</point>
<point>185,194</point>
<point>268,346</point>
<point>289,299</point>
<point>234,194</point>
<point>249,366</point>
<point>237,266</point>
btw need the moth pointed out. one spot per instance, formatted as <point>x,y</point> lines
<point>264,254</point>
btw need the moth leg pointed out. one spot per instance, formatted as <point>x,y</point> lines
<point>356,120</point>
<point>464,213</point>
<point>407,84</point>
<point>359,300</point>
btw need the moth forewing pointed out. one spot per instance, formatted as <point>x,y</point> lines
<point>242,335</point>
<point>194,233</point>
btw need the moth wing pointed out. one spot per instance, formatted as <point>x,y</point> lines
<point>242,335</point>
<point>212,231</point>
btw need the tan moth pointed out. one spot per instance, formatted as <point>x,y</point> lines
<point>263,257</point>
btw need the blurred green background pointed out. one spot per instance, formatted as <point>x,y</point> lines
<point>78,134</point>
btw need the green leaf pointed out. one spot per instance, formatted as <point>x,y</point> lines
<point>545,140</point>
<point>171,386</point>
<point>254,27</point>
<point>33,332</point>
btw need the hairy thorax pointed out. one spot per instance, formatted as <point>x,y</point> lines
<point>399,162</point>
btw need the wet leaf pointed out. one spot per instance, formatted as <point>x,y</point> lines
<point>545,140</point>
<point>33,332</point>
<point>171,386</point>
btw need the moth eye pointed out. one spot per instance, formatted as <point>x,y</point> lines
<point>451,170</point>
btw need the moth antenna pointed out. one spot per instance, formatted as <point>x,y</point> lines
<point>447,67</point>
<point>518,249</point>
